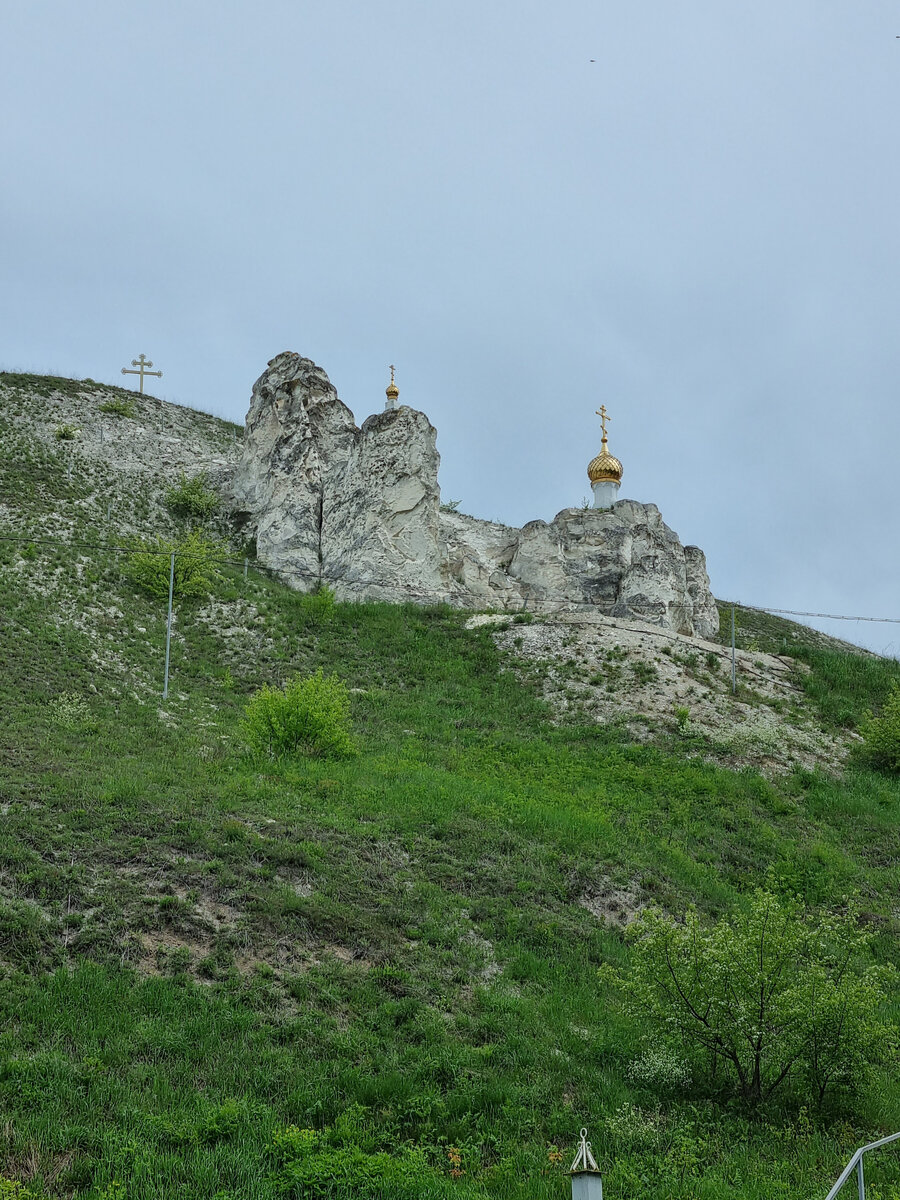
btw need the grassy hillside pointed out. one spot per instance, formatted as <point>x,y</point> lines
<point>399,951</point>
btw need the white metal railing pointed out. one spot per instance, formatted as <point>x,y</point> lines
<point>856,1164</point>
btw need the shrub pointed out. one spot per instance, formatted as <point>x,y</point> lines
<point>66,433</point>
<point>775,995</point>
<point>196,569</point>
<point>318,605</point>
<point>310,715</point>
<point>881,734</point>
<point>118,406</point>
<point>308,1163</point>
<point>192,497</point>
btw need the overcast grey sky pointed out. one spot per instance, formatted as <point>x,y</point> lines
<point>699,229</point>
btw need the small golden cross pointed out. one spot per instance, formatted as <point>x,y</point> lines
<point>142,364</point>
<point>601,413</point>
<point>392,374</point>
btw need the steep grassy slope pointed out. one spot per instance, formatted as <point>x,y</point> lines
<point>398,951</point>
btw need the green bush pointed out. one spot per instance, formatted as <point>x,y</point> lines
<point>196,569</point>
<point>308,715</point>
<point>192,498</point>
<point>776,996</point>
<point>118,406</point>
<point>308,1163</point>
<point>66,433</point>
<point>881,734</point>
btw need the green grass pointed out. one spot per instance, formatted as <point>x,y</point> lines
<point>199,948</point>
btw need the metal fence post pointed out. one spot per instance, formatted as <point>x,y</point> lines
<point>245,570</point>
<point>861,1179</point>
<point>169,626</point>
<point>733,662</point>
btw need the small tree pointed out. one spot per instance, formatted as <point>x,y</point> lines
<point>308,715</point>
<point>196,569</point>
<point>881,734</point>
<point>773,995</point>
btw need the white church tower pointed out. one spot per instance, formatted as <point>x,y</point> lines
<point>604,471</point>
<point>392,392</point>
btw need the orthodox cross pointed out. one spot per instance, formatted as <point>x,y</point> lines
<point>601,413</point>
<point>392,375</point>
<point>143,364</point>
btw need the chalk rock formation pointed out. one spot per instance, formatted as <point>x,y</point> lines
<point>360,510</point>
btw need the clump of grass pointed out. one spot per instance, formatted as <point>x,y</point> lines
<point>846,686</point>
<point>117,406</point>
<point>66,433</point>
<point>307,716</point>
<point>644,672</point>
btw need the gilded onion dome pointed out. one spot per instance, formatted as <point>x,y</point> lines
<point>392,391</point>
<point>605,466</point>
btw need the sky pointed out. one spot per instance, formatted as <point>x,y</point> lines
<point>687,212</point>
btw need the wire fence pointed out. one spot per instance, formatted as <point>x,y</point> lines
<point>360,588</point>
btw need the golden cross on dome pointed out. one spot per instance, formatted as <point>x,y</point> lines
<point>601,413</point>
<point>392,374</point>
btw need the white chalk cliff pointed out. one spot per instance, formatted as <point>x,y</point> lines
<point>359,509</point>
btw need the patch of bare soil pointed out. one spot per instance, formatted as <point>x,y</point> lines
<point>657,682</point>
<point>616,906</point>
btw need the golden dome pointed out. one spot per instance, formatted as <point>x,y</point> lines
<point>605,466</point>
<point>392,391</point>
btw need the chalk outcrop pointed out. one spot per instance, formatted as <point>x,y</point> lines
<point>359,508</point>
